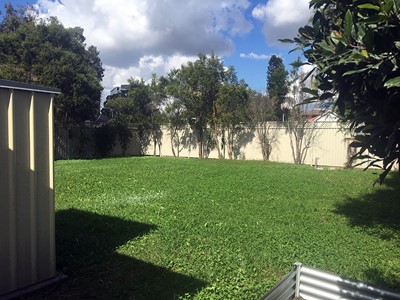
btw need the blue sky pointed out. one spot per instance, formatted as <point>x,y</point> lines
<point>139,37</point>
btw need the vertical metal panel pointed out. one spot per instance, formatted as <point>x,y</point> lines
<point>45,186</point>
<point>12,201</point>
<point>7,235</point>
<point>23,195</point>
<point>32,187</point>
<point>27,246</point>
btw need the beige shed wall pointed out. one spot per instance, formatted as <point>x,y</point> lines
<point>27,246</point>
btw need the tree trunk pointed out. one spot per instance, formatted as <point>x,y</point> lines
<point>216,136</point>
<point>154,144</point>
<point>200,142</point>
<point>172,135</point>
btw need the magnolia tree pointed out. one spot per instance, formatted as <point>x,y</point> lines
<point>355,46</point>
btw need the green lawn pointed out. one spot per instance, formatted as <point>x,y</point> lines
<point>164,228</point>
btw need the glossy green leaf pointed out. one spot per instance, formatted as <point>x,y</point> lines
<point>369,6</point>
<point>306,31</point>
<point>388,7</point>
<point>348,24</point>
<point>324,45</point>
<point>368,40</point>
<point>376,19</point>
<point>356,71</point>
<point>394,82</point>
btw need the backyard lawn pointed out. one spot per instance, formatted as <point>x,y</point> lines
<point>165,228</point>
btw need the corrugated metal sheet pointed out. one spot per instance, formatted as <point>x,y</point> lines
<point>313,284</point>
<point>27,246</point>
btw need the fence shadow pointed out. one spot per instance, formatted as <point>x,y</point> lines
<point>86,244</point>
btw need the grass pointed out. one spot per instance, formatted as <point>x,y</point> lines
<point>164,228</point>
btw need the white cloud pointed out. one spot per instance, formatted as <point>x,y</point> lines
<point>253,55</point>
<point>137,38</point>
<point>306,68</point>
<point>145,67</point>
<point>282,18</point>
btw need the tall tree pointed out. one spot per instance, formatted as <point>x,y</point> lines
<point>135,109</point>
<point>176,122</point>
<point>120,110</point>
<point>157,89</point>
<point>175,112</point>
<point>200,82</point>
<point>142,110</point>
<point>231,109</point>
<point>355,48</point>
<point>277,84</point>
<point>44,52</point>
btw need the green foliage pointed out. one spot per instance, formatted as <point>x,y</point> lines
<point>277,83</point>
<point>232,108</point>
<point>235,226</point>
<point>158,98</point>
<point>139,109</point>
<point>210,99</point>
<point>120,109</point>
<point>176,122</point>
<point>356,50</point>
<point>104,140</point>
<point>197,85</point>
<point>124,134</point>
<point>45,52</point>
<point>233,101</point>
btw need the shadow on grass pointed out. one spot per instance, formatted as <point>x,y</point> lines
<point>377,212</point>
<point>384,279</point>
<point>86,244</point>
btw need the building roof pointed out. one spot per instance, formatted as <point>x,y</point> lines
<point>27,87</point>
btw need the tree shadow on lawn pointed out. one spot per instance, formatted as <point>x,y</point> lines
<point>383,279</point>
<point>378,214</point>
<point>86,244</point>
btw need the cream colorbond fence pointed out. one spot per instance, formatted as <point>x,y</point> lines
<point>329,148</point>
<point>27,246</point>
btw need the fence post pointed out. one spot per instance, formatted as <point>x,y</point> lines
<point>298,274</point>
